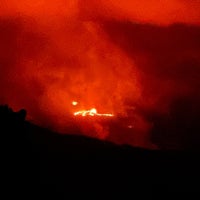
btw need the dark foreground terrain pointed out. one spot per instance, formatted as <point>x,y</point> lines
<point>37,161</point>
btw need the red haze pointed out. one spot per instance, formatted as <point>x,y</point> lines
<point>98,53</point>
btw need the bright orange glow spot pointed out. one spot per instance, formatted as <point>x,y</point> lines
<point>92,112</point>
<point>74,103</point>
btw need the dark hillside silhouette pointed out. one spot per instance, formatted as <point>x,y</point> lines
<point>38,160</point>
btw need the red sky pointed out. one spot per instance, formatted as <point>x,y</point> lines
<point>152,11</point>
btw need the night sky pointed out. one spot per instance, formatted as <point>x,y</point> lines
<point>113,55</point>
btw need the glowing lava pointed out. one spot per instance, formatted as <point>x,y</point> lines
<point>92,112</point>
<point>74,103</point>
